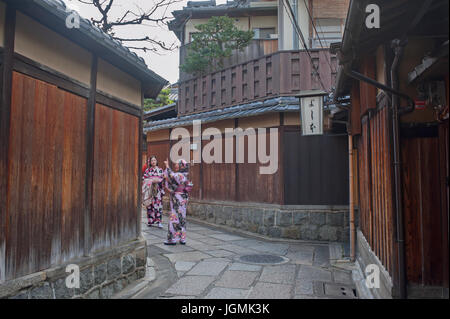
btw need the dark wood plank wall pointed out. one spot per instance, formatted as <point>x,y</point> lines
<point>116,143</point>
<point>371,125</point>
<point>302,162</point>
<point>160,149</point>
<point>315,169</point>
<point>424,186</point>
<point>280,73</point>
<point>260,188</point>
<point>45,219</point>
<point>375,187</point>
<point>424,235</point>
<point>444,186</point>
<point>231,181</point>
<point>45,201</point>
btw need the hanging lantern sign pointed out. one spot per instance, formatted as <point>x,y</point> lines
<point>312,115</point>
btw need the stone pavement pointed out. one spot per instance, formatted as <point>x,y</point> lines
<point>209,266</point>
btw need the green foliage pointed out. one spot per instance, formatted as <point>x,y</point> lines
<point>215,41</point>
<point>161,100</point>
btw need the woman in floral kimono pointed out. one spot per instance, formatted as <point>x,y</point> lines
<point>179,186</point>
<point>153,191</point>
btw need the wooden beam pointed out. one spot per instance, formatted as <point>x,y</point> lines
<point>5,122</point>
<point>90,138</point>
<point>115,103</point>
<point>41,72</point>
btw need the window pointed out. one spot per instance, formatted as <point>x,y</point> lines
<point>328,30</point>
<point>263,33</point>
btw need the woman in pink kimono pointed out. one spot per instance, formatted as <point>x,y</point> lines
<point>179,186</point>
<point>153,191</point>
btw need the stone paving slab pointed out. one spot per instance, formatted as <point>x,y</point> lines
<point>312,297</point>
<point>226,237</point>
<point>301,257</point>
<point>174,249</point>
<point>248,243</point>
<point>184,265</point>
<point>198,245</point>
<point>218,259</point>
<point>211,241</point>
<point>276,249</point>
<point>283,274</point>
<point>322,256</point>
<point>154,241</point>
<point>190,285</point>
<point>237,279</point>
<point>238,249</point>
<point>304,287</point>
<point>264,290</point>
<point>177,297</point>
<point>187,256</point>
<point>195,235</point>
<point>208,268</point>
<point>206,232</point>
<point>219,253</point>
<point>227,293</point>
<point>302,248</point>
<point>314,273</point>
<point>342,276</point>
<point>244,267</point>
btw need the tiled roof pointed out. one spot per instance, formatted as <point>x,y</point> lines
<point>280,104</point>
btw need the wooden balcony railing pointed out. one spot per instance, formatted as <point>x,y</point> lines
<point>256,49</point>
<point>282,73</point>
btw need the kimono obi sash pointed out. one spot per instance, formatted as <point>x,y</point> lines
<point>180,189</point>
<point>184,188</point>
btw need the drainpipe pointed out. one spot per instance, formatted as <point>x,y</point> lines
<point>398,46</point>
<point>352,200</point>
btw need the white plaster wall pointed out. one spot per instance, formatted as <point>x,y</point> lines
<point>45,46</point>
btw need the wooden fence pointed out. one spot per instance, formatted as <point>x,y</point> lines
<point>375,182</point>
<point>45,214</point>
<point>424,197</point>
<point>305,167</point>
<point>425,204</point>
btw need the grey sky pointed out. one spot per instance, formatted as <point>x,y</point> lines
<point>165,63</point>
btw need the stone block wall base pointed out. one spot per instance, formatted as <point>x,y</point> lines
<point>276,221</point>
<point>102,275</point>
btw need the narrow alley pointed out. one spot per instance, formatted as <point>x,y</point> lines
<point>216,263</point>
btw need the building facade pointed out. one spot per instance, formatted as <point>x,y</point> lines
<point>397,80</point>
<point>261,88</point>
<point>70,124</point>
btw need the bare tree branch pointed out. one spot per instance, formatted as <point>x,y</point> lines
<point>135,17</point>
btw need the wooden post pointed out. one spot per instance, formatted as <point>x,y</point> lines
<point>5,122</point>
<point>90,137</point>
<point>139,168</point>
